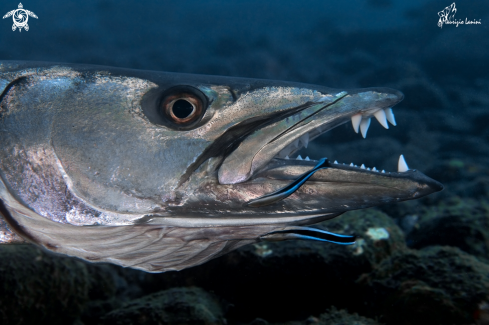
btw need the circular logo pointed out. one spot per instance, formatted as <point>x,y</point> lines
<point>20,18</point>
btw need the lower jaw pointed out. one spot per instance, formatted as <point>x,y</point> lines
<point>310,163</point>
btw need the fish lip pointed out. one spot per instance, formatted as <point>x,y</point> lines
<point>426,184</point>
<point>411,174</point>
<point>429,185</point>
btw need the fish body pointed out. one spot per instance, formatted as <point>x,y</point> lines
<point>161,171</point>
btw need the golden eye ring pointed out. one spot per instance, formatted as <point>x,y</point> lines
<point>182,108</point>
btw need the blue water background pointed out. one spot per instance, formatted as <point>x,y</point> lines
<point>444,72</point>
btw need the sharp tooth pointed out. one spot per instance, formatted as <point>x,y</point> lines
<point>299,157</point>
<point>401,165</point>
<point>296,143</point>
<point>374,169</point>
<point>355,121</point>
<point>305,139</point>
<point>351,165</point>
<point>307,158</point>
<point>336,162</point>
<point>287,157</point>
<point>380,116</point>
<point>362,166</point>
<point>364,126</point>
<point>383,171</point>
<point>390,116</point>
<point>368,168</point>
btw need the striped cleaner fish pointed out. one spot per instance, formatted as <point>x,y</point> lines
<point>162,171</point>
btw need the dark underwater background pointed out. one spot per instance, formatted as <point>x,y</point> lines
<point>434,266</point>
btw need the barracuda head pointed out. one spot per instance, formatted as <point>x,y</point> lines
<point>162,171</point>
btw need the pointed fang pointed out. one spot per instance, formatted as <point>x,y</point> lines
<point>390,116</point>
<point>355,121</point>
<point>401,165</point>
<point>364,126</point>
<point>380,116</point>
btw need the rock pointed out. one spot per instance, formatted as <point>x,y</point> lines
<point>462,223</point>
<point>464,178</point>
<point>173,306</point>
<point>41,288</point>
<point>336,317</point>
<point>436,285</point>
<point>259,321</point>
<point>280,281</point>
<point>482,315</point>
<point>341,317</point>
<point>378,236</point>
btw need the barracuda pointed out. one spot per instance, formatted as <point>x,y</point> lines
<point>162,171</point>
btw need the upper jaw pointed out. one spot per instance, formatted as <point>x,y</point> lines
<point>282,138</point>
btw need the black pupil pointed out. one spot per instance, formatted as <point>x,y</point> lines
<point>182,108</point>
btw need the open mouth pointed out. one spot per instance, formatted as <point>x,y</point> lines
<point>278,142</point>
<point>360,124</point>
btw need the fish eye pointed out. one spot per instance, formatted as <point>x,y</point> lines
<point>182,108</point>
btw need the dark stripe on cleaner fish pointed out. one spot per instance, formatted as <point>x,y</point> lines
<point>289,189</point>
